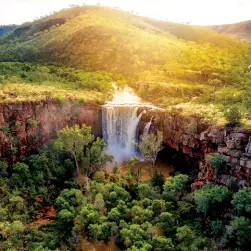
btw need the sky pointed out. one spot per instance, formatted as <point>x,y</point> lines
<point>198,12</point>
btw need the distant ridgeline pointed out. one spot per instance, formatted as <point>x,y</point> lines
<point>166,63</point>
<point>4,29</point>
<point>240,30</point>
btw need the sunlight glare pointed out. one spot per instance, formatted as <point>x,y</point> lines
<point>124,96</point>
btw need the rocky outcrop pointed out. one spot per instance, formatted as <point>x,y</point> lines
<point>25,126</point>
<point>195,137</point>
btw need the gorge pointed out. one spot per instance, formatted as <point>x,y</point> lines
<point>121,132</point>
<point>26,126</point>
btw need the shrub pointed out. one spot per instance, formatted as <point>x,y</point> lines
<point>216,161</point>
<point>3,165</point>
<point>233,116</point>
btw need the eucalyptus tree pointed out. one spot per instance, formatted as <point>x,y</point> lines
<point>73,140</point>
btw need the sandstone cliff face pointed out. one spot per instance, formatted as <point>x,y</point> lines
<point>196,138</point>
<point>25,126</point>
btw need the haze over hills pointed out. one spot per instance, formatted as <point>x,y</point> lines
<point>4,29</point>
<point>166,63</point>
<point>240,30</point>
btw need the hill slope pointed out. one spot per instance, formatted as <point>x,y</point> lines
<point>239,30</point>
<point>106,39</point>
<point>169,64</point>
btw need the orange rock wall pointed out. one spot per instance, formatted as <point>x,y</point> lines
<point>25,126</point>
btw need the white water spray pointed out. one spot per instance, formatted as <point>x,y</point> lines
<point>120,122</point>
<point>147,126</point>
<point>120,130</point>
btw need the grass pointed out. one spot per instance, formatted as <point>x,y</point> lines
<point>33,82</point>
<point>16,92</point>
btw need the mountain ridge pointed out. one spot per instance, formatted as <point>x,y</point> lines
<point>241,30</point>
<point>95,30</point>
<point>5,29</point>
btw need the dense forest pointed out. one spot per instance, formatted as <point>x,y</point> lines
<point>88,202</point>
<point>195,68</point>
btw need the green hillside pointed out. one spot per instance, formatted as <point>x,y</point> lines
<point>172,65</point>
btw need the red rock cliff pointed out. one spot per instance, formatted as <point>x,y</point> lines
<point>26,126</point>
<point>197,138</point>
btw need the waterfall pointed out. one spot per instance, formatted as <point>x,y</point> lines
<point>120,130</point>
<point>147,126</point>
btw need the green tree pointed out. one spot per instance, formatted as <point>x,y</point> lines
<point>166,222</point>
<point>133,168</point>
<point>175,187</point>
<point>74,140</point>
<point>162,244</point>
<point>9,229</point>
<point>22,170</point>
<point>144,191</point>
<point>96,157</point>
<point>134,233</point>
<point>3,166</point>
<point>150,145</point>
<point>242,201</point>
<point>99,202</point>
<point>99,177</point>
<point>65,220</point>
<point>116,193</point>
<point>21,176</point>
<point>239,233</point>
<point>70,199</point>
<point>100,231</point>
<point>158,206</point>
<point>217,228</point>
<point>188,239</point>
<point>140,246</point>
<point>87,215</point>
<point>114,215</point>
<point>211,198</point>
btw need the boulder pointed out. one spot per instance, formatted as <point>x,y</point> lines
<point>243,162</point>
<point>248,164</point>
<point>223,150</point>
<point>236,141</point>
<point>217,136</point>
<point>234,153</point>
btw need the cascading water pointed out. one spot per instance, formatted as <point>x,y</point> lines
<point>147,126</point>
<point>120,130</point>
<point>120,122</point>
